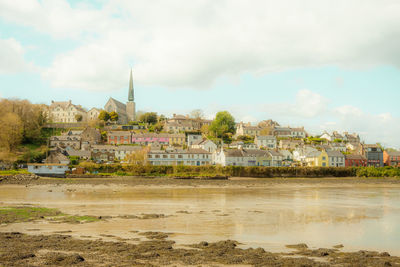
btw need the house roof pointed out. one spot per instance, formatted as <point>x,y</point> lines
<point>234,153</point>
<point>180,151</point>
<point>128,148</point>
<point>103,147</point>
<point>65,138</point>
<point>393,153</point>
<point>78,153</point>
<point>119,133</point>
<point>334,153</point>
<point>274,153</point>
<point>313,154</point>
<point>265,137</point>
<point>355,157</point>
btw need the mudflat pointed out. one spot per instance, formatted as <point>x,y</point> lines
<point>130,221</point>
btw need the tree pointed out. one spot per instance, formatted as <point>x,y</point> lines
<point>104,116</point>
<point>78,117</point>
<point>149,117</point>
<point>197,114</point>
<point>138,157</point>
<point>113,116</point>
<point>205,129</point>
<point>11,133</point>
<point>223,125</point>
<point>246,138</point>
<point>32,116</point>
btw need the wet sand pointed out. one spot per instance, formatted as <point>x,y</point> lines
<point>361,214</point>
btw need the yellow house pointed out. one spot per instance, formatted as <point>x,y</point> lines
<point>178,139</point>
<point>317,159</point>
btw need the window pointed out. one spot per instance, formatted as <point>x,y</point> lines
<point>157,156</point>
<point>324,158</point>
<point>180,156</point>
<point>165,156</point>
<point>172,156</point>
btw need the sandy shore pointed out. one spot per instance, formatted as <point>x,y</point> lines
<point>231,182</point>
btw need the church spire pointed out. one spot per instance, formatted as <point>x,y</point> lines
<point>130,96</point>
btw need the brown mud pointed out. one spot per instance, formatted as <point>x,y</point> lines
<point>18,249</point>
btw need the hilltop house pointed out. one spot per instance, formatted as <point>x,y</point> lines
<point>247,129</point>
<point>65,112</point>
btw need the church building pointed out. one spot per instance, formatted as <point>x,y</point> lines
<point>126,112</point>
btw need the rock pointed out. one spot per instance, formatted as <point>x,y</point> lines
<point>384,254</point>
<point>298,246</point>
<point>203,244</point>
<point>338,246</point>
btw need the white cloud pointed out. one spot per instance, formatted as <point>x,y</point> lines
<point>307,104</point>
<point>185,44</point>
<point>11,56</point>
<point>55,17</point>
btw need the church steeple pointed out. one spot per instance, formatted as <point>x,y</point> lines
<point>130,96</point>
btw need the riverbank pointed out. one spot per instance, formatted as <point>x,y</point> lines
<point>136,221</point>
<point>167,181</point>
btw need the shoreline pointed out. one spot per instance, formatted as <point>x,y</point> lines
<point>230,182</point>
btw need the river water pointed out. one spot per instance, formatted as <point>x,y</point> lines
<point>357,216</point>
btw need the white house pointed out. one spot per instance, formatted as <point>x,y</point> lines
<point>336,158</point>
<point>300,154</point>
<point>266,141</point>
<point>93,114</point>
<point>189,157</point>
<point>339,147</point>
<point>205,144</point>
<point>194,138</point>
<point>287,157</point>
<point>48,169</point>
<point>66,112</point>
<point>247,157</point>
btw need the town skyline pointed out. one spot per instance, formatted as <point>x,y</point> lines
<point>349,84</point>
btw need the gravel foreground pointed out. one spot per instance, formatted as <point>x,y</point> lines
<point>18,249</point>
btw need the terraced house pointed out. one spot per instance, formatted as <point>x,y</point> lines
<point>391,158</point>
<point>189,157</point>
<point>119,137</point>
<point>145,139</point>
<point>247,157</point>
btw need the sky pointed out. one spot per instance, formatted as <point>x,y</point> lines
<point>326,65</point>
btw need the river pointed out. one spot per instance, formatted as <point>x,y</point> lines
<point>357,216</point>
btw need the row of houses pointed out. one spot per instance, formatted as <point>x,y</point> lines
<point>278,131</point>
<point>144,139</point>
